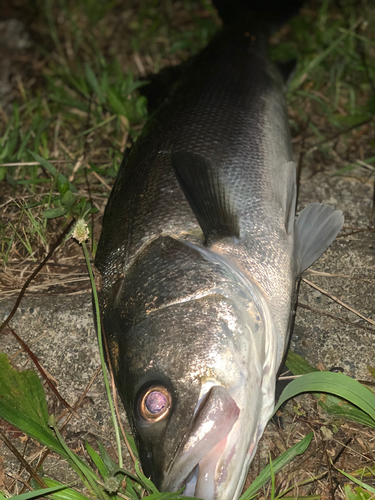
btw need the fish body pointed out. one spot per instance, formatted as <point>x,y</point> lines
<point>198,261</point>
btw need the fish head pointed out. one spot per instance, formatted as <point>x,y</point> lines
<point>195,377</point>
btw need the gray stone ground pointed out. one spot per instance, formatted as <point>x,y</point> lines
<point>321,339</point>
<point>60,330</point>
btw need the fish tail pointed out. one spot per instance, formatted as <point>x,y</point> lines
<point>273,13</point>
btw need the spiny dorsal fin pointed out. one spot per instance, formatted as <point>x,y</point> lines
<point>206,195</point>
<point>316,227</point>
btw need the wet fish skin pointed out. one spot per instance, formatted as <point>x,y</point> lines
<point>198,260</point>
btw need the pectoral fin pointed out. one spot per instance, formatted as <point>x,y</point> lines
<point>207,195</point>
<point>315,229</point>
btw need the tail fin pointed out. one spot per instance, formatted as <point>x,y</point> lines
<point>274,12</point>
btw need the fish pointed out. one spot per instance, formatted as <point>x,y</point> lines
<point>198,261</point>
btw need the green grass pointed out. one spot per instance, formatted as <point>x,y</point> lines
<point>85,109</point>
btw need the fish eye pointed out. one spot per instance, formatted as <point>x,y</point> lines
<point>155,403</point>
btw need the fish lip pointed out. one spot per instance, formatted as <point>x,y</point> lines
<point>214,419</point>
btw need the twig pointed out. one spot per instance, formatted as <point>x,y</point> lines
<point>336,299</point>
<point>370,230</point>
<point>34,274</point>
<point>328,464</point>
<point>42,372</point>
<point>16,478</point>
<point>338,275</point>
<point>19,457</point>
<point>30,163</point>
<point>48,284</point>
<point>333,316</point>
<point>79,401</point>
<point>346,443</point>
<point>338,134</point>
<point>64,412</point>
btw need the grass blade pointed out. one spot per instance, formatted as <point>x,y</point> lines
<point>333,383</point>
<point>63,491</point>
<point>331,404</point>
<point>358,481</point>
<point>38,493</point>
<point>52,170</point>
<point>277,465</point>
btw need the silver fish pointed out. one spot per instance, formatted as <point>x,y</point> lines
<point>198,261</point>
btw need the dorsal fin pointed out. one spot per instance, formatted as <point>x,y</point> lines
<point>206,195</point>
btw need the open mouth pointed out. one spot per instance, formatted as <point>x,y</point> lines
<point>196,464</point>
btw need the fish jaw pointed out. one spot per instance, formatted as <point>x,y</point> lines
<point>213,422</point>
<point>213,462</point>
<point>219,469</point>
<point>221,472</point>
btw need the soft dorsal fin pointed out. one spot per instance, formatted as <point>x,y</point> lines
<point>206,195</point>
<point>316,227</point>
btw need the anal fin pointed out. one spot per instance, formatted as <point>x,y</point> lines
<point>315,229</point>
<point>207,195</point>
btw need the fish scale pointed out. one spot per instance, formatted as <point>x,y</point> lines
<point>188,125</point>
<point>198,258</point>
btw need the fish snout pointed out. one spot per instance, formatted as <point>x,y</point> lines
<point>199,462</point>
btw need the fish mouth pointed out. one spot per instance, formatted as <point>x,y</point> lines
<point>197,465</point>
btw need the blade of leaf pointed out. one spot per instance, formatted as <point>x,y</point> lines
<point>371,370</point>
<point>23,404</point>
<point>116,103</point>
<point>132,444</point>
<point>133,490</point>
<point>169,496</point>
<point>87,474</point>
<point>65,494</point>
<point>331,404</point>
<point>340,408</point>
<point>97,461</point>
<point>53,213</point>
<point>151,488</point>
<point>109,463</point>
<point>298,365</point>
<point>94,84</point>
<point>277,465</point>
<point>332,383</point>
<point>358,481</point>
<point>52,170</point>
<point>38,493</point>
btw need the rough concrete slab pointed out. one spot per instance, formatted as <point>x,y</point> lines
<point>60,332</point>
<point>350,265</point>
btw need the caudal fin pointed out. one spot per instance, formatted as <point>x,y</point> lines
<point>315,229</point>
